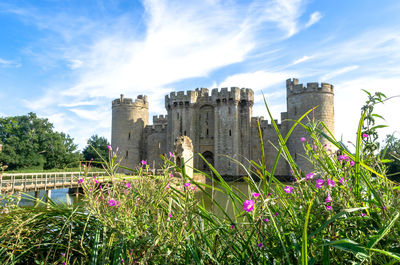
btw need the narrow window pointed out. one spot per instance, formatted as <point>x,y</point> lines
<point>184,133</point>
<point>229,110</point>
<point>126,154</point>
<point>129,136</point>
<point>230,133</point>
<point>295,111</point>
<point>177,116</point>
<point>207,132</point>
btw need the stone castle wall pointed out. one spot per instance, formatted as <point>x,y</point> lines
<point>220,125</point>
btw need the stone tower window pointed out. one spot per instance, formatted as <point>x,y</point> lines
<point>177,116</point>
<point>207,131</point>
<point>230,133</point>
<point>126,154</point>
<point>295,111</point>
<point>129,136</point>
<point>184,133</point>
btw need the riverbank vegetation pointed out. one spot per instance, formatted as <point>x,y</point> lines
<point>345,211</point>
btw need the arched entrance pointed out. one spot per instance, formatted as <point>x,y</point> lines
<point>209,156</point>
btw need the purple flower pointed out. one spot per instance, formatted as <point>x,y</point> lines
<point>169,215</point>
<point>341,180</point>
<point>328,199</point>
<point>331,183</point>
<point>116,150</point>
<point>363,214</point>
<point>171,175</point>
<point>275,214</point>
<point>309,176</point>
<point>167,187</point>
<point>255,194</point>
<point>288,189</point>
<point>64,263</point>
<point>193,188</point>
<point>109,147</point>
<point>266,220</point>
<point>232,226</point>
<point>302,139</point>
<point>248,205</point>
<point>113,202</point>
<point>364,135</point>
<point>343,157</point>
<point>144,162</point>
<point>187,184</point>
<point>63,254</point>
<point>171,154</point>
<point>328,207</point>
<point>96,181</point>
<point>81,180</point>
<point>352,163</point>
<point>260,245</point>
<point>128,185</point>
<point>319,183</point>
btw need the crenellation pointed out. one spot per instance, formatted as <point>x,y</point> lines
<point>160,119</point>
<point>293,87</point>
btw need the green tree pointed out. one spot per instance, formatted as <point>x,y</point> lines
<point>31,142</point>
<point>392,151</point>
<point>98,143</point>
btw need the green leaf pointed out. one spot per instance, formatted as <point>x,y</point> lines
<point>387,253</point>
<point>382,232</point>
<point>349,246</point>
<point>304,255</point>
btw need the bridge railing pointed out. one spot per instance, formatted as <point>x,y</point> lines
<point>44,180</point>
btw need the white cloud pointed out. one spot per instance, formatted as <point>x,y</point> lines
<point>302,59</point>
<point>9,63</point>
<point>314,18</point>
<point>257,80</point>
<point>338,72</point>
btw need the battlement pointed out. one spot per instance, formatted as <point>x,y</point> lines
<point>233,93</point>
<point>265,124</point>
<point>140,101</point>
<point>293,87</point>
<point>155,128</point>
<point>160,119</point>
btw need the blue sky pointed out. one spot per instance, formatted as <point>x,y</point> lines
<point>67,59</point>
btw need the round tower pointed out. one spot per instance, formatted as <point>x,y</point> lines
<point>128,122</point>
<point>301,99</point>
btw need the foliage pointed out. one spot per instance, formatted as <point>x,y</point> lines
<point>96,150</point>
<point>391,152</point>
<point>343,212</point>
<point>30,142</point>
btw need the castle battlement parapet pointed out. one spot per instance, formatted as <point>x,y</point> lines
<point>233,93</point>
<point>140,101</point>
<point>293,87</point>
<point>160,119</point>
<point>181,98</point>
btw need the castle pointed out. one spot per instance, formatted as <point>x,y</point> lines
<point>220,125</point>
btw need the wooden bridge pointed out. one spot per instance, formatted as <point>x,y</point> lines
<point>25,182</point>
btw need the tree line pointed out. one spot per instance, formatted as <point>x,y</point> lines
<point>30,142</point>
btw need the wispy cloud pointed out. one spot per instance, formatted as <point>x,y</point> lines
<point>338,72</point>
<point>314,18</point>
<point>9,63</point>
<point>302,59</point>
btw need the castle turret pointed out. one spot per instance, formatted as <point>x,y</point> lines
<point>129,119</point>
<point>301,99</point>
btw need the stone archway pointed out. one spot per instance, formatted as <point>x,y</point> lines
<point>209,156</point>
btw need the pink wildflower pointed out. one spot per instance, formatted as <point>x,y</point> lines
<point>187,184</point>
<point>319,183</point>
<point>341,180</point>
<point>167,187</point>
<point>169,215</point>
<point>363,214</point>
<point>275,214</point>
<point>171,175</point>
<point>113,202</point>
<point>109,147</point>
<point>144,162</point>
<point>232,226</point>
<point>193,188</point>
<point>364,135</point>
<point>260,245</point>
<point>255,194</point>
<point>331,183</point>
<point>171,154</point>
<point>81,180</point>
<point>128,185</point>
<point>310,176</point>
<point>328,207</point>
<point>248,205</point>
<point>328,199</point>
<point>352,163</point>
<point>288,189</point>
<point>302,139</point>
<point>266,220</point>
